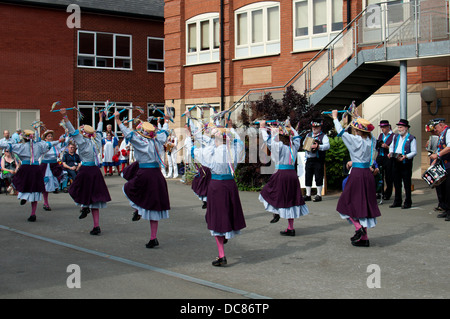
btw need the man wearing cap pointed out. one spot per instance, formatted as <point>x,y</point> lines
<point>315,159</point>
<point>403,149</point>
<point>443,154</point>
<point>386,164</point>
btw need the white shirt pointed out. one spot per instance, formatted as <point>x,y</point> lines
<point>399,146</point>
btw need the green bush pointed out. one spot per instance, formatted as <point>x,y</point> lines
<point>334,161</point>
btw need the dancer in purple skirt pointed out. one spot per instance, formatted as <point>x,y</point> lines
<point>358,202</point>
<point>29,180</point>
<point>146,188</point>
<point>282,195</point>
<point>89,189</point>
<point>224,215</point>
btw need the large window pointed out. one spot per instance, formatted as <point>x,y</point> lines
<point>155,54</point>
<point>11,119</point>
<point>316,22</point>
<point>203,38</point>
<point>257,29</point>
<point>104,50</point>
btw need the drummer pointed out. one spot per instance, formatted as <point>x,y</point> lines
<point>443,156</point>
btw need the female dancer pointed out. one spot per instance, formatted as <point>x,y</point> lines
<point>52,171</point>
<point>224,216</point>
<point>88,190</point>
<point>282,194</point>
<point>110,147</point>
<point>29,180</point>
<point>358,202</point>
<point>146,188</point>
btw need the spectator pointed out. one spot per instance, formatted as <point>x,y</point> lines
<point>16,136</point>
<point>10,165</point>
<point>71,162</point>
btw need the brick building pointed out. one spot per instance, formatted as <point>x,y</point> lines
<point>266,43</point>
<point>116,54</point>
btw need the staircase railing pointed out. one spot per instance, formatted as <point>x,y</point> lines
<point>380,25</point>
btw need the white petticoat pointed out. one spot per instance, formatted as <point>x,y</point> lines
<point>286,213</point>
<point>148,214</point>
<point>365,222</point>
<point>227,235</point>
<point>30,197</point>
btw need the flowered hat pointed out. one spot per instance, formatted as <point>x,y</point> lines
<point>316,122</point>
<point>87,131</point>
<point>362,125</point>
<point>146,129</point>
<point>27,134</point>
<point>46,133</point>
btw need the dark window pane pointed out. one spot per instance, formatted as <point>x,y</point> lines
<point>86,61</point>
<point>104,44</point>
<point>155,49</point>
<point>123,63</point>
<point>122,46</point>
<point>86,43</point>
<point>105,63</point>
<point>155,66</point>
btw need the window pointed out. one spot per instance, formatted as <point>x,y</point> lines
<point>11,119</point>
<point>154,110</point>
<point>203,38</point>
<point>316,22</point>
<point>90,111</point>
<point>257,30</point>
<point>155,52</point>
<point>104,50</point>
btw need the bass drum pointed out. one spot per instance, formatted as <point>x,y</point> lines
<point>434,175</point>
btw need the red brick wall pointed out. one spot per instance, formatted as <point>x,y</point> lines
<point>36,60</point>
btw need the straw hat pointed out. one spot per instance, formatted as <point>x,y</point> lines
<point>146,129</point>
<point>362,125</point>
<point>46,133</point>
<point>28,134</point>
<point>87,131</point>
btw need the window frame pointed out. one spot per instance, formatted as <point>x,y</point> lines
<point>314,41</point>
<point>265,47</point>
<point>114,55</point>
<point>212,54</point>
<point>156,60</point>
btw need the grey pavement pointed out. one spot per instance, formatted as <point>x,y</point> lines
<point>409,252</point>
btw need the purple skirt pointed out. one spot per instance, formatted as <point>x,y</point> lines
<point>359,199</point>
<point>29,179</point>
<point>89,187</point>
<point>224,211</point>
<point>201,181</point>
<point>146,187</point>
<point>57,169</point>
<point>283,189</point>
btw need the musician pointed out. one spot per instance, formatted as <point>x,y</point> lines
<point>443,155</point>
<point>403,149</point>
<point>386,164</point>
<point>315,159</point>
<point>171,150</point>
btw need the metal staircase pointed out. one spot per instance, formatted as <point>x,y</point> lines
<point>367,53</point>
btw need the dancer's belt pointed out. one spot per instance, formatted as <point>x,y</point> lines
<point>149,165</point>
<point>49,161</point>
<point>361,165</point>
<point>29,163</point>
<point>88,164</point>
<point>285,167</point>
<point>222,177</point>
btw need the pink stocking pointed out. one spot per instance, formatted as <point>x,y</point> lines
<point>365,237</point>
<point>219,242</point>
<point>153,229</point>
<point>291,223</point>
<point>96,216</point>
<point>45,194</point>
<point>33,208</point>
<point>355,223</point>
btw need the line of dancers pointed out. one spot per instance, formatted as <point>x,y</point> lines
<point>220,150</point>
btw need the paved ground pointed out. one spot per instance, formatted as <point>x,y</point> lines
<point>409,251</point>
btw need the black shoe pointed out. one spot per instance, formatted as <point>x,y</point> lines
<point>95,231</point>
<point>136,216</point>
<point>56,191</point>
<point>204,205</point>
<point>386,197</point>
<point>447,219</point>
<point>317,198</point>
<point>23,202</point>
<point>275,218</point>
<point>395,205</point>
<point>47,208</point>
<point>152,243</point>
<point>32,218</point>
<point>442,215</point>
<point>358,234</point>
<point>288,232</point>
<point>406,206</point>
<point>220,261</point>
<point>84,212</point>
<point>65,190</point>
<point>307,198</point>
<point>361,243</point>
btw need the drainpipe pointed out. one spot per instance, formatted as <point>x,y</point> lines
<point>403,90</point>
<point>222,58</point>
